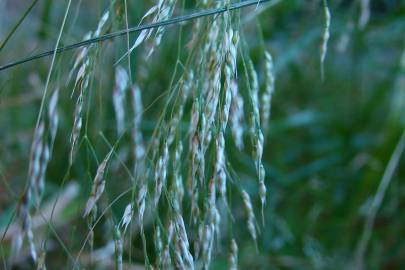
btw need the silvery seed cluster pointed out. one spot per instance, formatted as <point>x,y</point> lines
<point>183,169</point>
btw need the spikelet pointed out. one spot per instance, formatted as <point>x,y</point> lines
<point>210,228</point>
<point>197,168</point>
<point>233,256</point>
<point>182,256</point>
<point>82,76</point>
<point>162,11</point>
<point>195,117</point>
<point>231,42</point>
<point>23,219</point>
<point>178,260</point>
<point>166,260</point>
<point>158,247</point>
<point>195,173</point>
<point>177,177</point>
<point>268,93</point>
<point>181,229</point>
<point>53,115</point>
<point>220,164</point>
<point>81,55</point>
<point>35,171</point>
<point>21,215</point>
<point>77,126</point>
<point>97,188</point>
<point>30,238</point>
<point>16,244</point>
<point>101,23</point>
<point>211,203</point>
<point>145,34</point>
<point>82,80</point>
<point>127,216</point>
<point>141,202</point>
<point>121,84</point>
<point>251,216</point>
<point>212,100</point>
<point>166,8</point>
<point>83,60</point>
<point>161,173</point>
<point>236,115</point>
<point>226,109</point>
<point>254,93</point>
<point>139,149</point>
<point>215,221</point>
<point>211,105</point>
<point>256,134</point>
<point>325,36</point>
<point>187,258</point>
<point>40,153</point>
<point>261,171</point>
<point>207,245</point>
<point>198,240</point>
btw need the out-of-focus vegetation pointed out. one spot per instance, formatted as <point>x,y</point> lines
<point>328,146</point>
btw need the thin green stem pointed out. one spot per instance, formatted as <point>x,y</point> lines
<point>9,35</point>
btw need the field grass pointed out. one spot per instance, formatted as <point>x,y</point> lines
<point>265,136</point>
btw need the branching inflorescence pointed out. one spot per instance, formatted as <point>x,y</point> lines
<point>209,98</point>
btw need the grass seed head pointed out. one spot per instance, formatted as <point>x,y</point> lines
<point>127,216</point>
<point>251,216</point>
<point>233,256</point>
<point>268,92</point>
<point>121,84</point>
<point>98,186</point>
